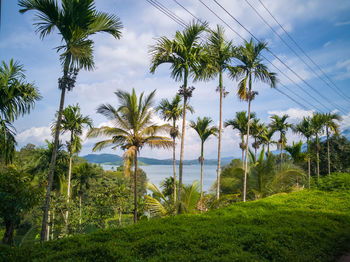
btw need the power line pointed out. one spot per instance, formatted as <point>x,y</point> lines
<point>290,48</point>
<point>301,49</point>
<point>293,71</point>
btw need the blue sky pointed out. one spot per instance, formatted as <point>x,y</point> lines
<point>321,28</point>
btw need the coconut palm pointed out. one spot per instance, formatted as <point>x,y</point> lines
<point>330,121</point>
<point>279,124</point>
<point>132,130</point>
<point>219,55</point>
<point>184,54</point>
<point>172,111</point>
<point>17,97</point>
<point>81,179</point>
<point>73,121</point>
<point>305,128</point>
<point>240,123</point>
<point>317,126</point>
<point>204,131</point>
<point>250,68</point>
<point>76,21</point>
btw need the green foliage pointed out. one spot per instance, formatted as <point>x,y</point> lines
<point>302,226</point>
<point>334,182</point>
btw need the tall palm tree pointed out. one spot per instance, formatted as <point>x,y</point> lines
<point>330,121</point>
<point>81,179</point>
<point>219,56</point>
<point>133,129</point>
<point>240,123</point>
<point>184,54</point>
<point>76,21</point>
<point>317,125</point>
<point>250,68</point>
<point>305,128</point>
<point>73,121</point>
<point>172,111</point>
<point>17,97</point>
<point>204,131</point>
<point>265,137</point>
<point>279,124</point>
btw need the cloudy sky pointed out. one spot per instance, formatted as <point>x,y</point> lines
<point>321,29</point>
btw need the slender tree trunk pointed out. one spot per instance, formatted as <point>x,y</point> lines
<point>308,161</point>
<point>268,148</point>
<point>281,150</point>
<point>120,217</point>
<point>174,163</point>
<point>53,224</point>
<point>202,145</point>
<point>243,158</point>
<point>317,158</point>
<point>328,154</point>
<point>255,148</point>
<point>9,231</point>
<point>135,188</point>
<point>43,234</point>
<point>183,135</point>
<point>219,142</point>
<point>69,177</point>
<point>80,197</point>
<point>246,155</point>
<point>48,227</point>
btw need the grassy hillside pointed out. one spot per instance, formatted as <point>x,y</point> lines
<point>301,226</point>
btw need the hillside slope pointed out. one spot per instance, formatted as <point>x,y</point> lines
<point>301,226</point>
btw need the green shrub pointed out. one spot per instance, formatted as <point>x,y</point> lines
<point>335,182</point>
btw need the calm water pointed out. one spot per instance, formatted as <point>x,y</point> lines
<point>157,173</point>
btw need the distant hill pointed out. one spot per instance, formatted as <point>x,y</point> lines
<point>111,159</point>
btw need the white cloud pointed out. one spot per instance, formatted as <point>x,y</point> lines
<point>295,114</point>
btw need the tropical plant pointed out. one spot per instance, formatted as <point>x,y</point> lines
<point>265,137</point>
<point>17,97</point>
<point>317,126</point>
<point>219,56</point>
<point>204,131</point>
<point>73,121</point>
<point>132,130</point>
<point>76,21</point>
<point>330,121</point>
<point>305,128</point>
<point>81,179</point>
<point>184,54</point>
<point>250,68</point>
<point>240,123</point>
<point>295,152</point>
<point>256,130</point>
<point>172,111</point>
<point>279,124</point>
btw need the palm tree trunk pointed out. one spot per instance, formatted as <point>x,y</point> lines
<point>80,197</point>
<point>135,188</point>
<point>53,224</point>
<point>308,161</point>
<point>281,149</point>
<point>43,234</point>
<point>9,231</point>
<point>246,155</point>
<point>48,228</point>
<point>183,134</point>
<point>328,154</point>
<point>268,148</point>
<point>317,158</point>
<point>174,163</point>
<point>243,158</point>
<point>202,145</point>
<point>219,142</point>
<point>255,148</point>
<point>69,177</point>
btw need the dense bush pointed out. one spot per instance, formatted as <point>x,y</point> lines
<point>300,226</point>
<point>335,182</point>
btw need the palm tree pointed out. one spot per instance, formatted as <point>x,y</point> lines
<point>257,128</point>
<point>331,125</point>
<point>250,68</point>
<point>204,131</point>
<point>184,54</point>
<point>265,137</point>
<point>172,111</point>
<point>219,55</point>
<point>240,123</point>
<point>295,152</point>
<point>305,128</point>
<point>317,125</point>
<point>133,129</point>
<point>17,98</point>
<point>279,124</point>
<point>81,179</point>
<point>73,121</point>
<point>76,21</point>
